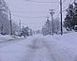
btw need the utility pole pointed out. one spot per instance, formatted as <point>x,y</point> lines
<point>52,13</point>
<point>48,25</point>
<point>10,23</point>
<point>20,25</point>
<point>2,29</point>
<point>61,16</point>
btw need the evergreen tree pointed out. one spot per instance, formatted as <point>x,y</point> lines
<point>68,23</point>
<point>71,17</point>
<point>75,14</point>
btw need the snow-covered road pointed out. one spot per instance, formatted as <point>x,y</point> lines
<point>31,50</point>
<point>40,48</point>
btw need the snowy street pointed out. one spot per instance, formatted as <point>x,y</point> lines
<point>38,30</point>
<point>36,50</point>
<point>39,51</point>
<point>39,48</point>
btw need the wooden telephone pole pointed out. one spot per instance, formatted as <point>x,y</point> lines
<point>10,23</point>
<point>52,13</point>
<point>61,16</point>
<point>20,26</point>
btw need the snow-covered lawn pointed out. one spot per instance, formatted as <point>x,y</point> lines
<point>8,37</point>
<point>5,37</point>
<point>64,47</point>
<point>41,48</point>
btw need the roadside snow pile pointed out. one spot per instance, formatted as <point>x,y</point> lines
<point>64,48</point>
<point>5,37</point>
<point>9,37</point>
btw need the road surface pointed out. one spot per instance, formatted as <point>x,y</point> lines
<point>39,50</point>
<point>35,49</point>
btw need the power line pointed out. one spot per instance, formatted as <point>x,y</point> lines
<point>34,16</point>
<point>27,12</point>
<point>41,2</point>
<point>30,16</point>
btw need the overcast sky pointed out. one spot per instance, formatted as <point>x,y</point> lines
<point>33,13</point>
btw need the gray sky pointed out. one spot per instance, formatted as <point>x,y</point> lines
<point>33,14</point>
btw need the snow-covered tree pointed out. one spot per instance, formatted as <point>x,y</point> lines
<point>56,26</point>
<point>71,17</point>
<point>15,28</point>
<point>4,21</point>
<point>47,28</point>
<point>26,31</point>
<point>68,23</point>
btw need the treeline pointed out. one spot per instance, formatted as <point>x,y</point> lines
<point>50,28</point>
<point>5,28</point>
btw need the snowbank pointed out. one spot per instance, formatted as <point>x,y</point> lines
<point>64,47</point>
<point>5,37</point>
<point>9,37</point>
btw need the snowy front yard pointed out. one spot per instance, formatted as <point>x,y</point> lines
<point>5,37</point>
<point>41,48</point>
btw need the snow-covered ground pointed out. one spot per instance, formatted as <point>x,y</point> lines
<point>40,48</point>
<point>5,37</point>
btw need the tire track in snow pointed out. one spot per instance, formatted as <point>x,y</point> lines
<point>49,50</point>
<point>31,51</point>
<point>38,48</point>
